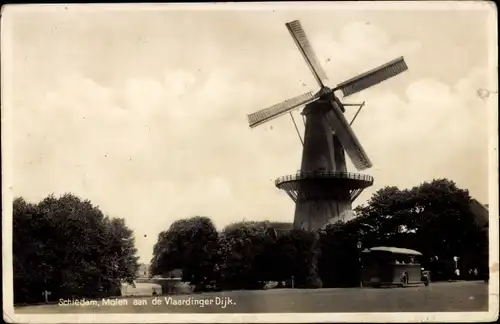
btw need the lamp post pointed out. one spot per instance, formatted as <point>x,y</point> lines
<point>359,245</point>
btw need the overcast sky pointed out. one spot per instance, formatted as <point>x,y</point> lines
<point>144,111</point>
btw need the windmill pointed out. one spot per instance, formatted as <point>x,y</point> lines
<point>323,190</point>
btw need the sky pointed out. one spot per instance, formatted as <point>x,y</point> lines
<point>143,110</point>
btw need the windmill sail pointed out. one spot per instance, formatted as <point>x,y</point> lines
<point>300,38</point>
<point>347,138</point>
<point>277,110</point>
<point>373,77</point>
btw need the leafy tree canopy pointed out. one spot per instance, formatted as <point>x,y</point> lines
<point>189,244</point>
<point>434,218</point>
<point>66,244</point>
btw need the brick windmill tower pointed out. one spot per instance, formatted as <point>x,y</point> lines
<point>323,190</point>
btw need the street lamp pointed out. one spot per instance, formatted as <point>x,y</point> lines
<point>360,244</point>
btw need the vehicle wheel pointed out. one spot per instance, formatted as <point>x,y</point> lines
<point>404,281</point>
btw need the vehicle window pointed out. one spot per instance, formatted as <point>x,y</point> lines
<point>407,259</point>
<point>403,259</point>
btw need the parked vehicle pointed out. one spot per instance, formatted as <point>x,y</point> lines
<point>388,266</point>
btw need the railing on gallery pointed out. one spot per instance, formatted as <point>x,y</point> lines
<point>323,174</point>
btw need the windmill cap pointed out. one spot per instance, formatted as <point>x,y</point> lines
<point>317,106</point>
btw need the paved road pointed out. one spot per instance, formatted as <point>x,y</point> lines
<point>438,297</point>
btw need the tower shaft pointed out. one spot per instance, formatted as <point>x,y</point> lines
<point>322,190</point>
<point>322,149</point>
<point>322,153</point>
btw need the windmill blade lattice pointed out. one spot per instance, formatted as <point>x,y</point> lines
<point>300,38</point>
<point>373,77</point>
<point>279,109</point>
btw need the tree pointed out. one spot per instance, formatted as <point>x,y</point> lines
<point>434,218</point>
<point>191,245</point>
<point>339,259</point>
<point>121,263</point>
<point>244,255</point>
<point>69,247</point>
<point>166,252</point>
<point>297,257</point>
<point>33,261</point>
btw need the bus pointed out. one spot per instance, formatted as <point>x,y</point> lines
<point>389,266</point>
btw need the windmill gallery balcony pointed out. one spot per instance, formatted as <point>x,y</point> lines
<point>323,185</point>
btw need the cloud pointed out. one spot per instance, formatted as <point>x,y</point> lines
<point>153,149</point>
<point>359,48</point>
<point>434,130</point>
